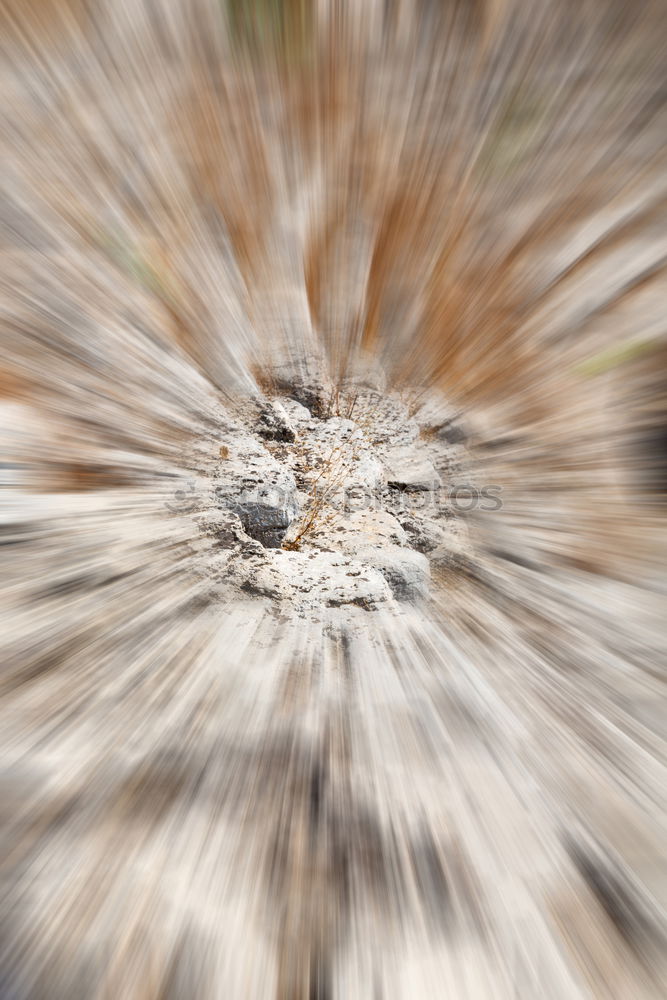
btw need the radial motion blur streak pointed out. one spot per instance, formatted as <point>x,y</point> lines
<point>333,412</point>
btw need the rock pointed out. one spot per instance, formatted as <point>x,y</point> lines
<point>316,578</point>
<point>407,572</point>
<point>274,423</point>
<point>365,528</point>
<point>406,504</point>
<point>423,534</point>
<point>296,413</point>
<point>408,470</point>
<point>338,455</point>
<point>227,530</point>
<point>307,383</point>
<point>386,418</point>
<point>256,487</point>
<point>266,517</point>
<point>354,502</point>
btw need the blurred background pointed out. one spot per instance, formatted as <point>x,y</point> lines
<point>468,197</point>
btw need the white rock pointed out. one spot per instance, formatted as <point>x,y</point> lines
<point>315,578</point>
<point>262,491</point>
<point>338,455</point>
<point>296,412</point>
<point>274,423</point>
<point>407,469</point>
<point>406,571</point>
<point>424,534</point>
<point>365,528</point>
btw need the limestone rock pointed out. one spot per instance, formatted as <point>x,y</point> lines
<point>423,534</point>
<point>338,455</point>
<point>316,578</point>
<point>307,382</point>
<point>259,489</point>
<point>407,469</point>
<point>274,423</point>
<point>365,528</point>
<point>407,572</point>
<point>314,511</point>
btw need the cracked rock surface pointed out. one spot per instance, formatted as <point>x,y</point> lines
<point>343,506</point>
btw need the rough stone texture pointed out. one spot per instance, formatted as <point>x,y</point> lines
<point>308,579</point>
<point>252,484</point>
<point>307,382</point>
<point>424,534</point>
<point>328,512</point>
<point>335,454</point>
<point>363,467</point>
<point>408,470</point>
<point>385,417</point>
<point>274,423</point>
<point>226,527</point>
<point>365,528</point>
<point>406,571</point>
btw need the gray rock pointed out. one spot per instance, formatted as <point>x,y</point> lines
<point>423,534</point>
<point>315,578</point>
<point>275,424</point>
<point>256,487</point>
<point>407,469</point>
<point>366,528</point>
<point>266,520</point>
<point>297,414</point>
<point>407,572</point>
<point>307,383</point>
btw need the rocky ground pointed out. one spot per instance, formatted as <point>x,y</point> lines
<point>346,502</point>
<point>283,716</point>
